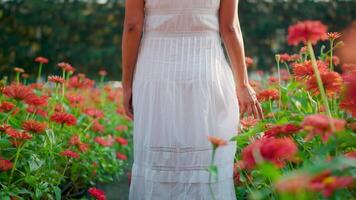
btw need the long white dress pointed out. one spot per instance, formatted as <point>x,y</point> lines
<point>183,91</point>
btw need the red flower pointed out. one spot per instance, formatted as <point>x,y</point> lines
<point>293,184</point>
<point>5,165</point>
<point>3,127</point>
<point>37,100</point>
<point>36,111</point>
<point>351,154</point>
<point>282,130</point>
<point>34,126</point>
<point>56,79</point>
<point>80,82</point>
<point>284,57</point>
<point>64,118</point>
<point>6,106</point>
<point>348,102</point>
<point>96,193</point>
<point>18,135</point>
<point>321,125</point>
<point>97,127</point>
<point>274,150</point>
<point>332,82</point>
<point>336,60</point>
<point>305,69</point>
<point>121,156</point>
<point>70,153</point>
<point>83,147</point>
<point>74,140</point>
<point>121,141</point>
<point>42,60</point>
<point>272,80</point>
<point>66,67</point>
<point>327,183</point>
<point>75,100</point>
<point>305,31</point>
<point>266,95</point>
<point>18,92</point>
<point>346,68</point>
<point>104,142</point>
<point>121,128</point>
<point>94,113</point>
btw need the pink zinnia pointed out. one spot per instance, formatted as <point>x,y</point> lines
<point>56,79</point>
<point>42,60</point>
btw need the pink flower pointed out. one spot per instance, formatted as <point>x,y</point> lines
<point>307,31</point>
<point>96,193</point>
<point>104,142</point>
<point>321,125</point>
<point>56,79</point>
<point>282,130</point>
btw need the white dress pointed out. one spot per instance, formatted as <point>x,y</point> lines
<point>183,91</point>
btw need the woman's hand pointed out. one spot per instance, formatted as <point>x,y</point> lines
<point>128,102</point>
<point>248,102</point>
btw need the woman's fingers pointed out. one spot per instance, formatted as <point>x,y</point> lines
<point>254,111</point>
<point>242,110</point>
<point>259,110</point>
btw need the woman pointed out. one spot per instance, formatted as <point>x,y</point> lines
<point>179,89</point>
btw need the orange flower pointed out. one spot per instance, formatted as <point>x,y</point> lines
<point>321,125</point>
<point>248,122</point>
<point>42,60</point>
<point>305,69</point>
<point>266,95</point>
<point>249,61</point>
<point>332,82</point>
<point>34,126</point>
<point>305,31</point>
<point>103,72</point>
<point>333,35</point>
<point>19,70</point>
<point>216,141</point>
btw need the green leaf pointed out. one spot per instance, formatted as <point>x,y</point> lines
<point>270,171</point>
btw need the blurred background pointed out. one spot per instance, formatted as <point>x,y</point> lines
<point>87,33</point>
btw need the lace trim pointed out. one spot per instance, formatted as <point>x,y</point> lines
<point>188,11</point>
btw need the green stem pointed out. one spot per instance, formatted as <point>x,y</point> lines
<point>320,84</point>
<point>331,55</point>
<point>18,77</point>
<point>279,84</point>
<point>15,162</point>
<point>211,164</point>
<point>39,73</point>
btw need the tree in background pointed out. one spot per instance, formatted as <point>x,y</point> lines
<point>88,33</point>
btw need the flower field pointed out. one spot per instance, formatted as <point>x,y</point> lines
<point>60,137</point>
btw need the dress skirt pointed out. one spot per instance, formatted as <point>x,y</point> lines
<point>183,91</point>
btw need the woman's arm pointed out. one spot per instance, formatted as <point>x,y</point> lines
<point>232,37</point>
<point>133,27</point>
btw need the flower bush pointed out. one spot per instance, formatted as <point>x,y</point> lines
<point>305,146</point>
<point>59,138</point>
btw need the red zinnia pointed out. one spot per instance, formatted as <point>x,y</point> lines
<point>104,142</point>
<point>97,194</point>
<point>284,57</point>
<point>103,73</point>
<point>121,128</point>
<point>346,68</point>
<point>121,141</point>
<point>70,153</point>
<point>320,125</point>
<point>305,31</point>
<point>275,150</point>
<point>42,60</point>
<point>282,130</point>
<point>80,82</point>
<point>5,165</point>
<point>96,113</point>
<point>34,126</point>
<point>332,82</point>
<point>121,156</point>
<point>37,100</point>
<point>348,103</point>
<point>36,111</point>
<point>326,183</point>
<point>6,106</point>
<point>18,91</point>
<point>66,67</point>
<point>18,135</point>
<point>64,118</point>
<point>306,70</point>
<point>56,79</point>
<point>266,95</point>
<point>97,127</point>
